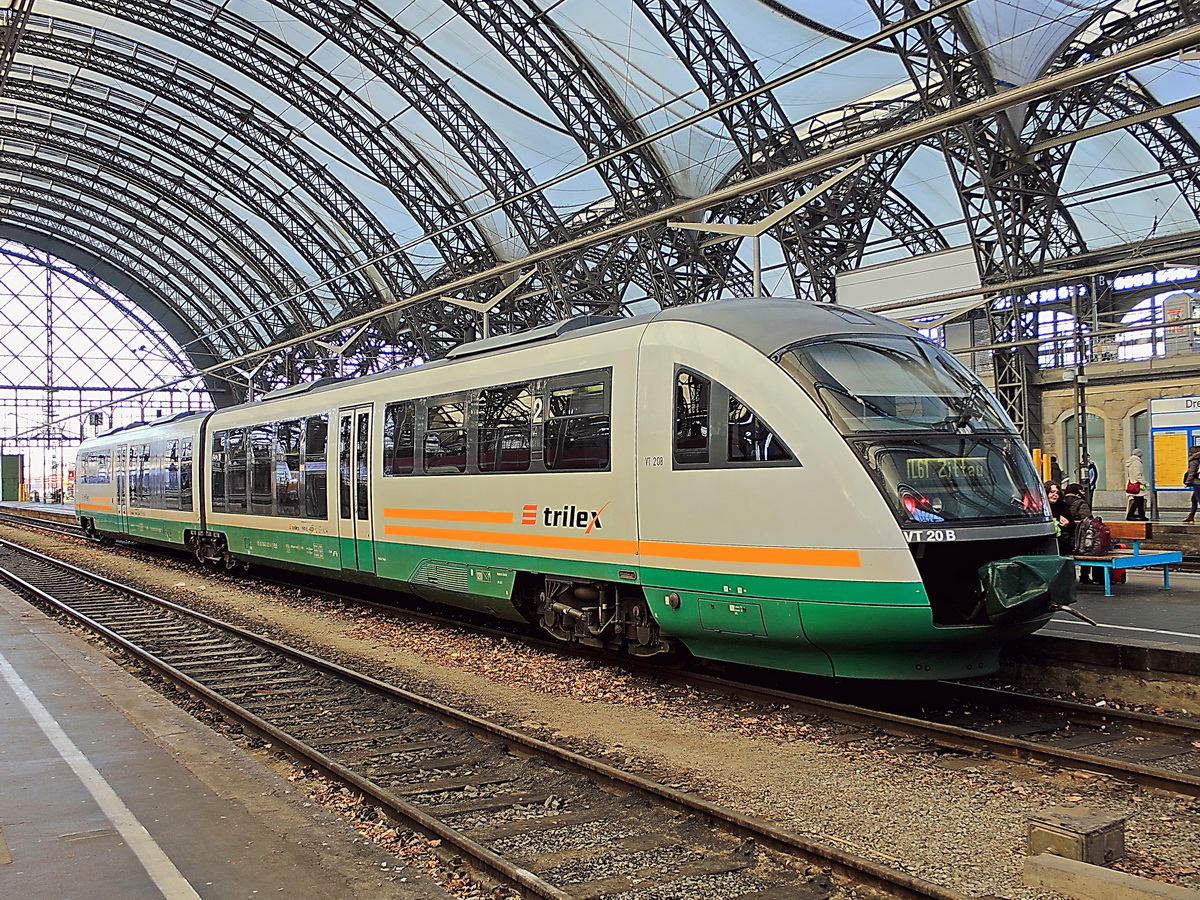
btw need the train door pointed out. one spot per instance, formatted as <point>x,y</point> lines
<point>354,489</point>
<point>121,486</point>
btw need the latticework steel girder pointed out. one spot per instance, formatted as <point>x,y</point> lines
<point>231,113</point>
<point>604,130</point>
<point>1172,147</point>
<point>252,252</point>
<point>1012,209</point>
<point>161,137</point>
<point>1011,202</point>
<point>380,43</point>
<point>176,209</point>
<point>830,234</point>
<point>87,222</point>
<point>36,299</point>
<point>90,204</point>
<point>379,149</point>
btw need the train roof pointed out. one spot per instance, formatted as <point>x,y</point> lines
<point>767,324</point>
<point>770,324</point>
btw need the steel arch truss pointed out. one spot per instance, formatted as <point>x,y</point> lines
<point>1013,213</point>
<point>828,234</point>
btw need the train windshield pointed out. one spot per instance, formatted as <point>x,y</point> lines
<point>893,383</point>
<point>934,440</point>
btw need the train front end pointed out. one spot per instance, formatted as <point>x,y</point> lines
<point>956,476</point>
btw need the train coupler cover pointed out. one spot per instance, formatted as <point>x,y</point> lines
<point>1024,586</point>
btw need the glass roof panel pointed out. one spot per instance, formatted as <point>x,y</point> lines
<point>1021,37</point>
<point>1110,213</point>
<point>779,44</point>
<point>652,85</point>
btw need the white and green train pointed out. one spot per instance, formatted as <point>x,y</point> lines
<point>791,485</point>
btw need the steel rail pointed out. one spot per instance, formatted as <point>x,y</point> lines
<point>55,526</point>
<point>950,737</point>
<point>848,866</point>
<point>967,740</point>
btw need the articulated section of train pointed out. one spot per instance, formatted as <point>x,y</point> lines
<point>772,482</point>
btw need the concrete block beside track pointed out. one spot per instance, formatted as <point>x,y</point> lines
<point>1087,882</point>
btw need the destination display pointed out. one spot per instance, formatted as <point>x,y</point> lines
<point>946,467</point>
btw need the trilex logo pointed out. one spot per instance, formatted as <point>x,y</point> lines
<point>561,517</point>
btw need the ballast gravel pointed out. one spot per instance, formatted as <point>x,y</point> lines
<point>959,823</point>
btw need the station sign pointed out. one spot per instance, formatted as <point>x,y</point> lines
<point>1174,429</point>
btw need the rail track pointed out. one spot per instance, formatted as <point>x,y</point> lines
<point>1153,751</point>
<point>1150,750</point>
<point>9,516</point>
<point>546,821</point>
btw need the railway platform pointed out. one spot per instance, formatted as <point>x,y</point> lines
<point>1141,627</point>
<point>109,792</point>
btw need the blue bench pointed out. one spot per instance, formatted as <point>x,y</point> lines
<point>1134,532</point>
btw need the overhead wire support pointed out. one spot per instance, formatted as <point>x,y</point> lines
<point>1159,48</point>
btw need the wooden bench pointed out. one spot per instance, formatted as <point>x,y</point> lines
<point>1135,533</point>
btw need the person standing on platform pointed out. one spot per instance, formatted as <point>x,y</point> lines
<point>1093,476</point>
<point>1135,487</point>
<point>1191,479</point>
<point>1056,472</point>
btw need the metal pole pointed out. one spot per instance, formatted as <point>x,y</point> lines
<point>1080,391</point>
<point>757,266</point>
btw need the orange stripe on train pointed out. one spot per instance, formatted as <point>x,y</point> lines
<point>550,542</point>
<point>482,516</point>
<point>776,556</point>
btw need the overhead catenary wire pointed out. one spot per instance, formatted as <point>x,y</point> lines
<point>826,160</point>
<point>931,125</point>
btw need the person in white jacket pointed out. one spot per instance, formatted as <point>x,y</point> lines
<point>1135,473</point>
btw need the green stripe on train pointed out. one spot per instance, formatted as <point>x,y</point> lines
<point>802,625</point>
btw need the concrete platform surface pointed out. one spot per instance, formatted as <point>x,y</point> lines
<point>1139,613</point>
<point>110,792</point>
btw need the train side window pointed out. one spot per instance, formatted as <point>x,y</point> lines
<point>217,467</point>
<point>185,474</point>
<point>362,455</point>
<point>505,415</point>
<point>287,467</point>
<point>576,434</point>
<point>750,438</point>
<point>692,395</point>
<point>313,474</point>
<point>158,475</point>
<point>399,438</point>
<point>135,481</point>
<point>171,464</point>
<point>99,467</point>
<point>345,432</point>
<point>262,469</point>
<point>139,493</point>
<point>237,479</point>
<point>445,443</point>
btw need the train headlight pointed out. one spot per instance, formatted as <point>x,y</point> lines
<point>918,506</point>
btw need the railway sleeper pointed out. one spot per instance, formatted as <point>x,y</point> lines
<point>603,615</point>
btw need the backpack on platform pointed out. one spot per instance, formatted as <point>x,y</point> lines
<point>1092,537</point>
